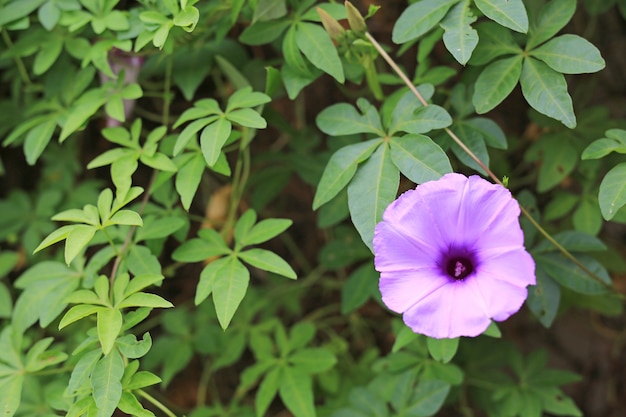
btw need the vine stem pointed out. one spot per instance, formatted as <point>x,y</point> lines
<point>471,154</point>
<point>158,404</point>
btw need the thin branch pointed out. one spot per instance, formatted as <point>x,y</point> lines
<point>468,151</point>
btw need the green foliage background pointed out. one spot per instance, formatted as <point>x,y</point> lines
<point>190,189</point>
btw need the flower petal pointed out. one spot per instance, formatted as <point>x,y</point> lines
<point>402,289</point>
<point>449,312</point>
<point>515,267</point>
<point>396,251</point>
<point>501,299</point>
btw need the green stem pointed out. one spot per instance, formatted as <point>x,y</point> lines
<point>459,142</point>
<point>203,384</point>
<point>158,404</point>
<point>18,61</point>
<point>167,96</point>
<point>240,178</point>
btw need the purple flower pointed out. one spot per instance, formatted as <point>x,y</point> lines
<point>451,256</point>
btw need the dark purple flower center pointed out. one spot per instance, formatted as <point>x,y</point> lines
<point>459,267</point>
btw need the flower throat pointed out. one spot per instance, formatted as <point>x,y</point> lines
<point>459,267</point>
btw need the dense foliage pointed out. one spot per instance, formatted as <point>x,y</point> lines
<point>190,188</point>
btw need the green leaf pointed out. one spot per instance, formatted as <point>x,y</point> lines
<point>197,250</point>
<point>313,360</point>
<point>188,179</point>
<point>460,38</point>
<point>419,158</point>
<point>341,168</point>
<point>265,230</point>
<point>122,170</point>
<point>509,13</point>
<point>442,350</point>
<point>587,216</point>
<point>267,391</point>
<point>344,119</point>
<point>132,348</point>
<point>106,383</point>
<point>424,119</point>
<point>569,275</point>
<point>37,139</point>
<point>10,394</point>
<point>125,217</point>
<point>229,288</point>
<point>419,18</point>
<point>496,82</point>
<point>546,91</point>
<point>247,117</point>
<point>109,326</point>
<point>159,228</point>
<point>244,225</point>
<point>207,278</point>
<point>495,41</point>
<point>13,11</point>
<point>612,195</point>
<point>212,139</point>
<point>81,110</point>
<point>77,239</point>
<point>296,392</point>
<point>553,16</point>
<point>130,405</point>
<point>359,287</point>
<point>570,54</point>
<point>544,298</point>
<point>268,261</point>
<point>82,370</point>
<point>489,130</point>
<point>245,97</point>
<point>573,241</point>
<point>557,157</point>
<point>158,161</point>
<point>140,282</point>
<point>142,299</point>
<point>140,260</point>
<point>428,398</point>
<point>46,286</point>
<point>78,312</point>
<point>317,46</point>
<point>373,188</point>
<point>262,32</point>
<point>142,379</point>
<point>189,131</point>
<point>602,147</point>
<point>58,235</point>
<point>475,142</point>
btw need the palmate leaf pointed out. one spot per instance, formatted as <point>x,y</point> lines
<point>296,392</point>
<point>553,16</point>
<point>509,13</point>
<point>495,41</point>
<point>496,82</point>
<point>341,168</point>
<point>419,158</point>
<point>267,261</point>
<point>570,54</point>
<point>213,137</point>
<point>546,91</point>
<point>373,188</point>
<point>419,18</point>
<point>344,119</point>
<point>229,287</point>
<point>459,37</point>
